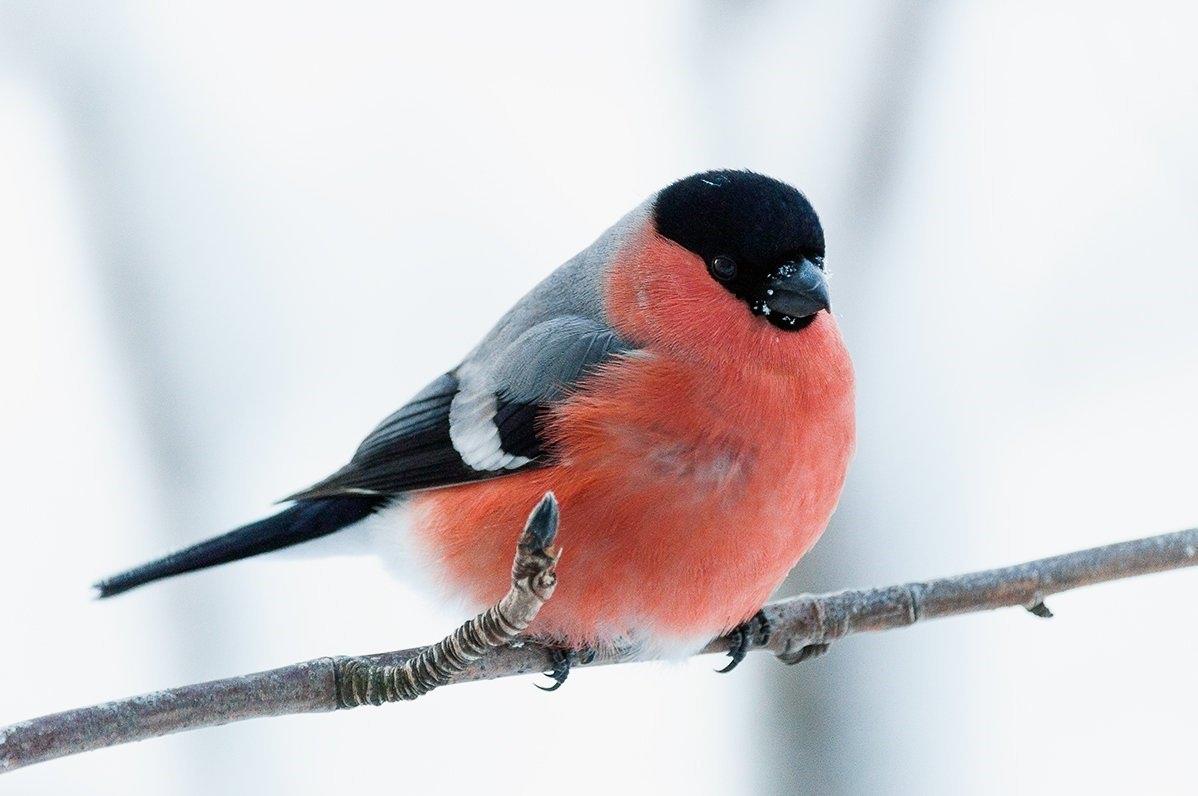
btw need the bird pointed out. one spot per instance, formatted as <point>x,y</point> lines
<point>680,385</point>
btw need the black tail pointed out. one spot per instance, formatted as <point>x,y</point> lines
<point>308,519</point>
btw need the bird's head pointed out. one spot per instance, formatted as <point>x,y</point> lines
<point>756,237</point>
<point>725,265</point>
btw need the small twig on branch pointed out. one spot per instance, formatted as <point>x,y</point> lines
<point>800,627</point>
<point>363,681</point>
<point>310,687</point>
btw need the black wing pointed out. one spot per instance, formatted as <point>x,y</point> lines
<point>411,449</point>
<point>454,433</point>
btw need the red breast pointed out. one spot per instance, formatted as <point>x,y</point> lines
<point>692,475</point>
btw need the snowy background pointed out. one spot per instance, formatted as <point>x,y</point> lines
<point>234,235</point>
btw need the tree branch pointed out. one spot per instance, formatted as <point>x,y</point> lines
<point>799,628</point>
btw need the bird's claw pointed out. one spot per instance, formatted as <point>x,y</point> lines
<point>745,636</point>
<point>804,653</point>
<point>561,661</point>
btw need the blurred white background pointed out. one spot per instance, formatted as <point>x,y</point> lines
<point>234,235</point>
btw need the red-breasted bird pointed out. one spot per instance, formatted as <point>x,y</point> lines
<point>680,385</point>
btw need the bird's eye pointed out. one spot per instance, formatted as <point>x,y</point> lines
<point>722,267</point>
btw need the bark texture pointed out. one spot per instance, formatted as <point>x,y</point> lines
<point>800,627</point>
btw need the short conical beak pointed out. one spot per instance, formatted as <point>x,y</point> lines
<point>797,289</point>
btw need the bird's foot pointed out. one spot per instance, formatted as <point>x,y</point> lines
<point>561,661</point>
<point>804,653</point>
<point>745,636</point>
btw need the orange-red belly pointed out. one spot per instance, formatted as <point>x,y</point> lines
<point>686,497</point>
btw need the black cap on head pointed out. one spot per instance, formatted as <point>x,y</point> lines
<point>760,238</point>
<point>755,218</point>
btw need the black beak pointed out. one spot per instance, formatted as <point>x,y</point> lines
<point>798,289</point>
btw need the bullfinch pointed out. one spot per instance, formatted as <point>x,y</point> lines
<point>680,385</point>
